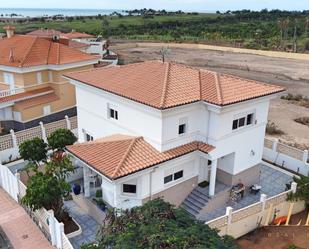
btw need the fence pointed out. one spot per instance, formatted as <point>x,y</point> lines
<point>286,156</point>
<point>46,221</point>
<point>245,220</point>
<point>9,143</point>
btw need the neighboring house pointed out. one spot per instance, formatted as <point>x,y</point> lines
<point>85,42</point>
<point>32,88</point>
<point>158,129</point>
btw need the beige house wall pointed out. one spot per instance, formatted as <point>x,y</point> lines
<point>176,194</point>
<point>63,89</point>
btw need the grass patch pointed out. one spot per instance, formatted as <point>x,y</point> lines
<point>273,129</point>
<point>298,99</point>
<point>302,120</point>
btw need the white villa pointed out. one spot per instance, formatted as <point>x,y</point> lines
<point>158,129</point>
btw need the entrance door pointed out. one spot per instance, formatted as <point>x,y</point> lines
<point>9,79</point>
<point>203,170</point>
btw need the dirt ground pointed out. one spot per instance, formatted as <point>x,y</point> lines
<point>274,237</point>
<point>289,73</point>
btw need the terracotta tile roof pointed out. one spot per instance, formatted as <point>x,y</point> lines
<point>27,95</point>
<point>76,35</point>
<point>164,85</point>
<point>44,32</point>
<point>35,101</point>
<point>27,51</point>
<point>119,155</point>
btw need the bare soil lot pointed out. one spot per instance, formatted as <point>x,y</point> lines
<point>279,237</point>
<point>289,73</point>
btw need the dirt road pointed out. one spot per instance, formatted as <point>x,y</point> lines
<point>290,73</point>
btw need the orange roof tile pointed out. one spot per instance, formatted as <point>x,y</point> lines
<point>119,155</point>
<point>27,51</point>
<point>76,35</point>
<point>44,32</point>
<point>165,85</point>
<point>27,95</point>
<point>35,101</point>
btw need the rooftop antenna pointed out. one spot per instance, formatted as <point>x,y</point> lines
<point>164,52</point>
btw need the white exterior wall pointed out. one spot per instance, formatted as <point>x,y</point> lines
<point>247,143</point>
<point>208,123</point>
<point>133,118</point>
<point>188,163</point>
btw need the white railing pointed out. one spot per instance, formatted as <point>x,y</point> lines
<point>6,93</point>
<point>9,143</point>
<point>46,221</point>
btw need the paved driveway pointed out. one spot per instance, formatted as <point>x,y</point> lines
<point>88,224</point>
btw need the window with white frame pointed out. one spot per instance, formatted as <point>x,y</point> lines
<point>89,137</point>
<point>242,121</point>
<point>129,188</point>
<point>46,110</point>
<point>112,112</point>
<point>173,177</point>
<point>182,127</point>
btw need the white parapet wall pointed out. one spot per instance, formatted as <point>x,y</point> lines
<point>286,156</point>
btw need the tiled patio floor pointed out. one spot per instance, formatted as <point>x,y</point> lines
<point>272,181</point>
<point>88,224</point>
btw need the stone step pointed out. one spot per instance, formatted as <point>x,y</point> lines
<point>196,200</point>
<point>193,204</point>
<point>202,199</point>
<point>201,194</point>
<point>189,209</point>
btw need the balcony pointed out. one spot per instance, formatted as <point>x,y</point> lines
<point>10,92</point>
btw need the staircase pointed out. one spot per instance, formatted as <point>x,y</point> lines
<point>196,200</point>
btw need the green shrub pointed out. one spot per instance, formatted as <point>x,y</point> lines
<point>98,193</point>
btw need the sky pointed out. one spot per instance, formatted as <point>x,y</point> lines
<point>187,5</point>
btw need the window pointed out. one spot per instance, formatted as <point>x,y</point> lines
<point>173,177</point>
<point>17,116</point>
<point>39,78</point>
<point>243,121</point>
<point>168,179</point>
<point>113,114</point>
<point>182,129</point>
<point>46,110</point>
<point>178,175</point>
<point>89,137</point>
<point>129,188</point>
<point>250,119</point>
<point>9,79</point>
<point>50,76</point>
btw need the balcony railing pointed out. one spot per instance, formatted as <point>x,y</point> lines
<point>6,93</point>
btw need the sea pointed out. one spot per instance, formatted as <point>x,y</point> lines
<point>38,12</point>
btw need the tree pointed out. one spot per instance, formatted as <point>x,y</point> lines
<point>61,138</point>
<point>302,191</point>
<point>157,224</point>
<point>47,184</point>
<point>34,150</point>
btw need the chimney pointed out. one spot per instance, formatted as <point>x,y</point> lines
<point>9,31</point>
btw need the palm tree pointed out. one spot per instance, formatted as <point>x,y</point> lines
<point>281,26</point>
<point>306,26</point>
<point>295,36</point>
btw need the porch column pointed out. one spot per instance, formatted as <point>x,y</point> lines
<point>213,174</point>
<point>86,182</point>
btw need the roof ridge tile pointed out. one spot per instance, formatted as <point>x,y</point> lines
<point>165,85</point>
<point>125,155</point>
<point>218,87</point>
<point>28,52</point>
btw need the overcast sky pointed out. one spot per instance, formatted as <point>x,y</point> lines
<point>194,5</point>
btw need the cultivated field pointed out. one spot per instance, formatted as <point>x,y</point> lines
<point>292,74</point>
